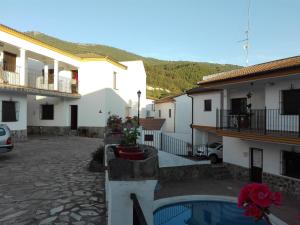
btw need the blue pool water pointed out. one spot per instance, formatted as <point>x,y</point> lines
<point>203,213</point>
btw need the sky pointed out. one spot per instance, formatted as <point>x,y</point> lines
<point>194,30</point>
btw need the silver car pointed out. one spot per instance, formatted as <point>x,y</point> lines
<point>6,144</point>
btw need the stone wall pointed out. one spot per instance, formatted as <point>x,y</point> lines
<point>53,131</point>
<point>290,186</point>
<point>238,172</point>
<point>19,135</point>
<point>95,132</point>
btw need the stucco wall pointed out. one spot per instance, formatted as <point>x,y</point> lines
<point>21,107</point>
<point>183,115</point>
<point>164,107</point>
<point>206,118</point>
<point>237,152</point>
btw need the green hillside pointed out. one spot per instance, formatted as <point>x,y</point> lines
<point>165,77</point>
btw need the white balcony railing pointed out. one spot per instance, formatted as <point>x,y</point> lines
<point>9,74</point>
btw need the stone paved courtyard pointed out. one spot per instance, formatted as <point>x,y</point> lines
<point>45,181</point>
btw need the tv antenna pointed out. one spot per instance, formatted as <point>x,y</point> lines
<point>246,40</point>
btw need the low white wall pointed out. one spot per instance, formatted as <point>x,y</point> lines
<point>120,206</point>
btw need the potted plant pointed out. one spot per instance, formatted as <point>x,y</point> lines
<point>114,124</point>
<point>129,149</point>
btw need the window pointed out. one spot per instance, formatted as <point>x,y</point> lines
<point>47,112</point>
<point>2,132</point>
<point>291,164</point>
<point>290,102</point>
<point>159,113</point>
<point>115,80</point>
<point>170,113</point>
<point>148,113</point>
<point>148,137</point>
<point>9,112</point>
<point>207,105</point>
<point>239,106</point>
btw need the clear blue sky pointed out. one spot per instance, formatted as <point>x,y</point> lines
<point>197,30</point>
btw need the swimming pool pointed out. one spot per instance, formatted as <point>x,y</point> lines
<point>202,213</point>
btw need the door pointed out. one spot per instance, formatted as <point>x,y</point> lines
<point>9,62</point>
<point>74,115</point>
<point>256,164</point>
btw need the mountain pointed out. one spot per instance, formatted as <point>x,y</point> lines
<point>163,77</point>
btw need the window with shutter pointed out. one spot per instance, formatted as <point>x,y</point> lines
<point>47,112</point>
<point>9,111</point>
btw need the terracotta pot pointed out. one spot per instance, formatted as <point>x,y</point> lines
<point>130,152</point>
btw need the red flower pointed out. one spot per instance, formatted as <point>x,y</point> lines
<point>244,195</point>
<point>261,195</point>
<point>277,198</point>
<point>254,211</point>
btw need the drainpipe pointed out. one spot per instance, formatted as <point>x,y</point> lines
<point>192,119</point>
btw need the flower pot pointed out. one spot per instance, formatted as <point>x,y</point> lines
<point>130,152</point>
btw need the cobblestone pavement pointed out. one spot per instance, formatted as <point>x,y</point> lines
<point>45,181</point>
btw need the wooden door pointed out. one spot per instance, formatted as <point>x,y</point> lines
<point>74,117</point>
<point>51,76</point>
<point>256,164</point>
<point>9,62</point>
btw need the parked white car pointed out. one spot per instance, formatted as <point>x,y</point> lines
<point>213,151</point>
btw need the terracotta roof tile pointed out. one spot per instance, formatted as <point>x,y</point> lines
<point>253,70</point>
<point>152,124</point>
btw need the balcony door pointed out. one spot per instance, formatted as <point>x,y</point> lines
<point>9,62</point>
<point>256,165</point>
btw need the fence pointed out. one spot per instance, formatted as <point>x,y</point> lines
<point>166,143</point>
<point>264,121</point>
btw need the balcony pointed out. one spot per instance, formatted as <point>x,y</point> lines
<point>10,75</point>
<point>259,124</point>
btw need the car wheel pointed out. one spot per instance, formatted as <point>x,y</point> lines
<point>213,159</point>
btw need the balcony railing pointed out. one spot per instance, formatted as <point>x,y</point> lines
<point>9,74</point>
<point>261,121</point>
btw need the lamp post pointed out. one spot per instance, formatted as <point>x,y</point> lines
<point>139,96</point>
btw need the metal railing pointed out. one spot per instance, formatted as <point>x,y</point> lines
<point>175,146</point>
<point>9,74</point>
<point>262,121</point>
<point>138,215</point>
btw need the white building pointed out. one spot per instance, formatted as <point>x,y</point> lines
<point>177,111</point>
<point>44,89</point>
<point>205,102</point>
<point>259,121</point>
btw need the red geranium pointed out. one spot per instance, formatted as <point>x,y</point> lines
<point>261,195</point>
<point>256,199</point>
<point>252,210</point>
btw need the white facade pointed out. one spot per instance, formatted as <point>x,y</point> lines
<point>166,110</point>
<point>100,87</point>
<point>183,114</point>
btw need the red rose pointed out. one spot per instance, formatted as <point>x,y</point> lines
<point>277,198</point>
<point>261,195</point>
<point>254,211</point>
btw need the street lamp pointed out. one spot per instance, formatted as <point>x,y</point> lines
<point>139,96</point>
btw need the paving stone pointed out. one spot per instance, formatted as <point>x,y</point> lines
<point>53,175</point>
<point>88,213</point>
<point>75,216</point>
<point>56,210</point>
<point>14,215</point>
<point>48,220</point>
